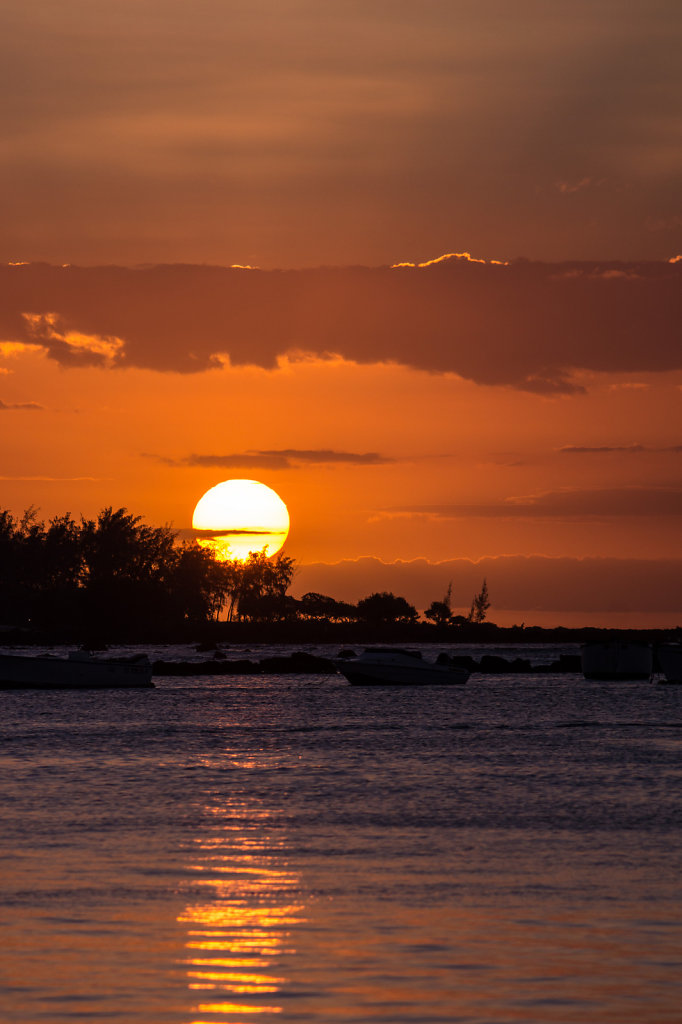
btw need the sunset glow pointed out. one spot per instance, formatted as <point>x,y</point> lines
<point>427,285</point>
<point>341,511</point>
<point>237,517</point>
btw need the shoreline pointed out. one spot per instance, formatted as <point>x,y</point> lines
<point>210,635</point>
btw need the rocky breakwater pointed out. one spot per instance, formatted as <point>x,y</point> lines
<point>299,663</point>
<point>302,663</point>
<point>493,664</point>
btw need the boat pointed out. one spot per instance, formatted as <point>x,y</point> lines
<point>388,667</point>
<point>616,659</point>
<point>79,671</point>
<point>670,662</point>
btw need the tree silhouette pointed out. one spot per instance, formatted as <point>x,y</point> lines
<point>199,584</point>
<point>320,606</point>
<point>126,569</point>
<point>256,588</point>
<point>386,607</point>
<point>440,612</point>
<point>480,605</point>
<point>112,574</point>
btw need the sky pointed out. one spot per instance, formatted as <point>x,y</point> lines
<point>416,266</point>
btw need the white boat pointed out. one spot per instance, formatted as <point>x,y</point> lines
<point>670,662</point>
<point>382,667</point>
<point>79,671</point>
<point>616,659</point>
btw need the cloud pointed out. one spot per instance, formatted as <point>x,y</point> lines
<point>531,583</point>
<point>51,479</point>
<point>6,406</point>
<point>71,347</point>
<point>343,129</point>
<point>556,383</point>
<point>330,457</point>
<point>284,458</point>
<point>252,531</point>
<point>569,187</point>
<point>14,348</point>
<point>635,449</point>
<point>527,325</point>
<point>629,385</point>
<point>446,257</point>
<point>568,503</point>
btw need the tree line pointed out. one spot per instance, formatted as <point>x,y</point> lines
<point>116,573</point>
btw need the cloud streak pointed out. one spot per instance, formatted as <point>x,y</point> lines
<point>562,504</point>
<point>527,325</point>
<point>51,479</point>
<point>8,406</point>
<point>630,449</point>
<point>284,458</point>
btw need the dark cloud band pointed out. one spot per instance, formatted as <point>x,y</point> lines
<point>528,325</point>
<point>564,504</point>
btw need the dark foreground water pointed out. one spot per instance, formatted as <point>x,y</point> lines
<point>289,848</point>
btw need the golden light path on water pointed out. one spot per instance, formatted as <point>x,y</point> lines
<point>241,928</point>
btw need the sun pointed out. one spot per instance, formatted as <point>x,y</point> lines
<point>240,516</point>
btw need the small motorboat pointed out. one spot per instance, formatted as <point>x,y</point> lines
<point>670,662</point>
<point>387,667</point>
<point>79,671</point>
<point>616,660</point>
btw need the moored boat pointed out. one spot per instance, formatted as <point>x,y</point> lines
<point>78,671</point>
<point>616,660</point>
<point>388,667</point>
<point>670,662</point>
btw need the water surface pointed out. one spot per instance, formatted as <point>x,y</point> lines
<point>292,848</point>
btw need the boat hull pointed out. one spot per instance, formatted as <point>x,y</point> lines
<point>670,662</point>
<point>79,673</point>
<point>398,669</point>
<point>616,661</point>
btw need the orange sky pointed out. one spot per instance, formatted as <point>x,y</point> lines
<point>435,416</point>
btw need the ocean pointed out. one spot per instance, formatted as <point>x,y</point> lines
<point>235,849</point>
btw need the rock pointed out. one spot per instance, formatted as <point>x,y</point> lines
<point>493,663</point>
<point>299,662</point>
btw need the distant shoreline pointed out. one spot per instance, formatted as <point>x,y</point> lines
<point>346,633</point>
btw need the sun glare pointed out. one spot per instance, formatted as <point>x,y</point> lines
<point>239,516</point>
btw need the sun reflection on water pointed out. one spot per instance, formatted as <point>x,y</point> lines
<point>240,925</point>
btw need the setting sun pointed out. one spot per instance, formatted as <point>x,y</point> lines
<point>239,516</point>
